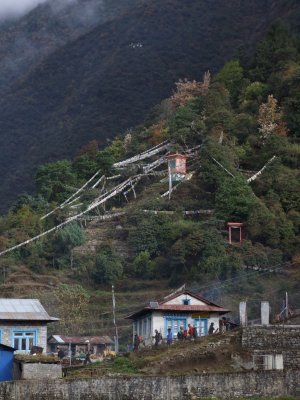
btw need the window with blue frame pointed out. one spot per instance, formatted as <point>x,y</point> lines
<point>186,302</point>
<point>175,322</point>
<point>23,340</point>
<point>201,325</point>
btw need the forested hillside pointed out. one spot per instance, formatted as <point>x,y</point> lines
<point>240,130</point>
<point>106,80</point>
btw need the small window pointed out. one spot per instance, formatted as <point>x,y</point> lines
<point>186,302</point>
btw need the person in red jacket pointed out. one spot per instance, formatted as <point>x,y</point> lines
<point>185,334</point>
<point>190,331</point>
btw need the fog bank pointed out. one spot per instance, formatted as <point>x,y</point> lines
<point>17,8</point>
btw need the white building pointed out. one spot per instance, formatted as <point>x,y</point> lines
<point>178,309</point>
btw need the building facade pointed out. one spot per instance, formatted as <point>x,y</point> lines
<point>177,310</point>
<point>23,324</point>
<point>80,344</point>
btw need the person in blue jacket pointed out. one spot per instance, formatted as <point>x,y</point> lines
<point>169,337</point>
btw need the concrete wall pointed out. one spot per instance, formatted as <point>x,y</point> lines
<point>41,371</point>
<point>40,328</point>
<point>31,371</point>
<point>226,386</point>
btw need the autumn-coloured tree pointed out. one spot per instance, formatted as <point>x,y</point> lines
<point>90,149</point>
<point>72,306</point>
<point>282,129</point>
<point>269,117</point>
<point>158,132</point>
<point>4,242</point>
<point>206,82</point>
<point>296,260</point>
<point>186,90</point>
<point>127,141</point>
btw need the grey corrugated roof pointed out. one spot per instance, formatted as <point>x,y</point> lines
<point>80,339</point>
<point>58,339</point>
<point>23,310</point>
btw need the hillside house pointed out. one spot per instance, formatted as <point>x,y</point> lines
<point>23,324</point>
<point>178,309</point>
<point>80,344</point>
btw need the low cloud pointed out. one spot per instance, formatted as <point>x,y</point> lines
<point>17,8</point>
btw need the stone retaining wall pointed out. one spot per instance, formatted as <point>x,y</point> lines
<point>23,370</point>
<point>271,337</point>
<point>226,386</point>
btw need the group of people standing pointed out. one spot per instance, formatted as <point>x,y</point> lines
<point>224,325</point>
<point>187,334</point>
<point>183,334</point>
<point>61,354</point>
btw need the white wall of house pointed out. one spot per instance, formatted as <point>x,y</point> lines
<point>215,319</point>
<point>143,327</point>
<point>158,322</point>
<point>192,300</point>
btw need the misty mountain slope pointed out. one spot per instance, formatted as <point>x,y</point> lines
<point>24,42</point>
<point>106,80</point>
